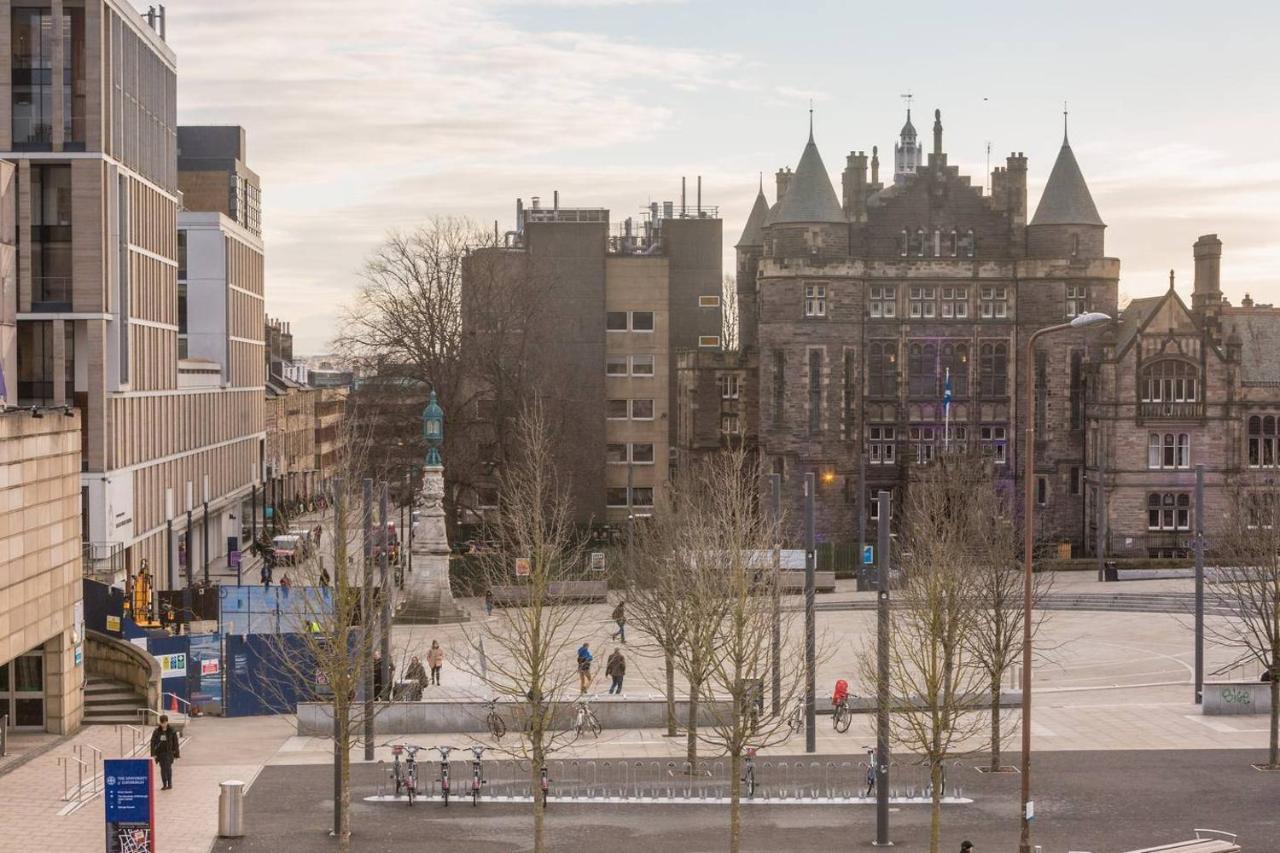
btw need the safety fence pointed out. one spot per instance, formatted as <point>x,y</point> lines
<point>784,779</point>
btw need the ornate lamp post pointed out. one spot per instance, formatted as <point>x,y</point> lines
<point>433,430</point>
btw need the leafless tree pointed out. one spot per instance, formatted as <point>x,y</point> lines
<point>528,649</point>
<point>1246,548</point>
<point>729,318</point>
<point>934,674</point>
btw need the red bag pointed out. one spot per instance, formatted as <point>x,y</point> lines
<point>842,692</point>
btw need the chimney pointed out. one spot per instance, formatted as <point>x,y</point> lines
<point>875,165</point>
<point>683,197</point>
<point>555,199</point>
<point>699,196</point>
<point>1016,188</point>
<point>1207,292</point>
<point>784,181</point>
<point>937,133</point>
<point>855,185</point>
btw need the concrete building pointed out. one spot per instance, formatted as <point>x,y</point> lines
<point>613,308</point>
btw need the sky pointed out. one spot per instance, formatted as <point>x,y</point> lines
<point>364,117</point>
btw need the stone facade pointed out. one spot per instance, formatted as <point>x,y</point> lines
<point>40,574</point>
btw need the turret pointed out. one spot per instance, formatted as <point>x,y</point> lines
<point>750,249</point>
<point>1206,298</point>
<point>1066,224</point>
<point>906,152</point>
<point>809,201</point>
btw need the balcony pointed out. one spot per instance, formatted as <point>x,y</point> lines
<point>50,294</point>
<point>1175,411</point>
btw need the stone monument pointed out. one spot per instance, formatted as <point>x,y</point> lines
<point>427,598</point>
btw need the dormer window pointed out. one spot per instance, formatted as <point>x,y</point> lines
<point>921,238</point>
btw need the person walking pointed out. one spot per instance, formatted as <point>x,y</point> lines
<point>616,668</point>
<point>286,583</point>
<point>620,616</point>
<point>324,578</point>
<point>488,602</point>
<point>584,667</point>
<point>435,659</point>
<point>164,749</point>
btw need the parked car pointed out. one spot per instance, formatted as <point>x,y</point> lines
<point>288,548</point>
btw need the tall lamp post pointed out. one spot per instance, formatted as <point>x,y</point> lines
<point>1028,511</point>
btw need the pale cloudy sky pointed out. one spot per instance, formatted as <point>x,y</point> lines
<point>364,116</point>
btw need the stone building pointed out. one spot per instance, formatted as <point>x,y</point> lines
<point>860,307</point>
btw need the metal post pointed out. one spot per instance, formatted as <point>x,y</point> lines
<point>204,543</point>
<point>810,651</point>
<point>253,513</point>
<point>882,672</point>
<point>186,592</point>
<point>367,619</point>
<point>172,576</point>
<point>864,571</point>
<point>1101,511</point>
<point>1199,546</point>
<point>408,568</point>
<point>775,489</point>
<point>340,604</point>
<point>384,566</point>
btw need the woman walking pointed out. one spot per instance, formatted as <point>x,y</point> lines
<point>164,749</point>
<point>435,658</point>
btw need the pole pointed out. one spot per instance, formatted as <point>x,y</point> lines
<point>1028,537</point>
<point>775,490</point>
<point>387,592</point>
<point>186,592</point>
<point>810,651</point>
<point>253,513</point>
<point>882,672</point>
<point>204,542</point>
<point>1101,511</point>
<point>946,416</point>
<point>1199,545</point>
<point>340,605</point>
<point>169,554</point>
<point>409,536</point>
<point>367,619</point>
<point>864,580</point>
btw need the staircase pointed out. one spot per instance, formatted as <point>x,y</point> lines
<point>107,702</point>
<point>432,607</point>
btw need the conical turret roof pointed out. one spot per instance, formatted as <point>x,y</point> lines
<point>751,234</point>
<point>1066,199</point>
<point>810,196</point>
<point>908,130</point>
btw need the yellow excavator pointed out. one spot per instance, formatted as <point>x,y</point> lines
<point>138,592</point>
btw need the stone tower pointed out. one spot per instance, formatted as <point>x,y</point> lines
<point>907,152</point>
<point>750,249</point>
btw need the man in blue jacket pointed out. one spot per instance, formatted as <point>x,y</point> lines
<point>584,668</point>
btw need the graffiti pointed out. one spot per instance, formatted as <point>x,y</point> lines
<point>1237,696</point>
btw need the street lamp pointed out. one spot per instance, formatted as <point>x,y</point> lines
<point>1093,318</point>
<point>433,430</point>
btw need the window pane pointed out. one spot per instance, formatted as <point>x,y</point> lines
<point>642,321</point>
<point>642,496</point>
<point>616,321</point>
<point>641,365</point>
<point>616,454</point>
<point>642,410</point>
<point>642,453</point>
<point>616,409</point>
<point>616,496</point>
<point>616,365</point>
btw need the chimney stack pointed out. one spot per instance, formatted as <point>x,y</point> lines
<point>875,165</point>
<point>1207,293</point>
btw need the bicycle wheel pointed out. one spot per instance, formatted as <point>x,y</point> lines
<point>411,790</point>
<point>497,727</point>
<point>445,794</point>
<point>596,728</point>
<point>842,719</point>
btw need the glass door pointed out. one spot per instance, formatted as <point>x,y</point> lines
<point>22,691</point>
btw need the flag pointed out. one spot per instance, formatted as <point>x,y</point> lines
<point>946,392</point>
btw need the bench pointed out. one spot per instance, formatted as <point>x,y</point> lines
<point>558,592</point>
<point>793,581</point>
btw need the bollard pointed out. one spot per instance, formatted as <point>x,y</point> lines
<point>231,809</point>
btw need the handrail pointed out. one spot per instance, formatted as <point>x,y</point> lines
<point>136,734</point>
<point>177,699</point>
<point>1231,836</point>
<point>80,766</point>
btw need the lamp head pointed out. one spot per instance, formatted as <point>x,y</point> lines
<point>1093,318</point>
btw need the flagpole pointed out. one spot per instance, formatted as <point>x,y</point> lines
<point>946,413</point>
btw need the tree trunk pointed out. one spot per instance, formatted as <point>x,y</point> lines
<point>692,726</point>
<point>344,777</point>
<point>935,805</point>
<point>671,693</point>
<point>735,802</point>
<point>535,786</point>
<point>995,722</point>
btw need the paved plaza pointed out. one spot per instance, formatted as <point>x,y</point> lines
<point>1119,743</point>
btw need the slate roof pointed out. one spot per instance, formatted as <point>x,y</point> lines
<point>751,234</point>
<point>1133,317</point>
<point>1066,199</point>
<point>1259,344</point>
<point>810,196</point>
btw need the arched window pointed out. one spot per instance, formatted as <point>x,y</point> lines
<point>955,357</point>
<point>1075,245</point>
<point>994,381</point>
<point>921,240</point>
<point>882,369</point>
<point>1169,381</point>
<point>922,370</point>
<point>1264,443</point>
<point>955,243</point>
<point>969,243</point>
<point>903,243</point>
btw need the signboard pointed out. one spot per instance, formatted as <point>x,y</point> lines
<point>233,559</point>
<point>113,624</point>
<point>597,561</point>
<point>173,666</point>
<point>524,567</point>
<point>209,667</point>
<point>868,555</point>
<point>130,809</point>
<point>77,632</point>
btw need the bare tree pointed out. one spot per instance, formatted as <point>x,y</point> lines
<point>730,554</point>
<point>529,658</point>
<point>996,639</point>
<point>934,674</point>
<point>1247,581</point>
<point>729,316</point>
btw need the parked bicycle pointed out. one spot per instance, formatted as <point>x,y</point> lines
<point>493,720</point>
<point>404,773</point>
<point>795,719</point>
<point>476,777</point>
<point>545,785</point>
<point>444,772</point>
<point>584,719</point>
<point>749,773</point>
<point>841,710</point>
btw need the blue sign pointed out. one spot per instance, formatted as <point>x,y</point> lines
<point>868,555</point>
<point>130,809</point>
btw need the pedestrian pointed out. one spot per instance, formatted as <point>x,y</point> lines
<point>286,583</point>
<point>871,773</point>
<point>966,846</point>
<point>164,749</point>
<point>324,578</point>
<point>265,574</point>
<point>377,675</point>
<point>435,658</point>
<point>488,602</point>
<point>620,616</point>
<point>416,675</point>
<point>616,668</point>
<point>584,667</point>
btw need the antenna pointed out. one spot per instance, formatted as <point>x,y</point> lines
<point>907,97</point>
<point>811,118</point>
<point>1064,122</point>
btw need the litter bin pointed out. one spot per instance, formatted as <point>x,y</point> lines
<point>231,809</point>
<point>1109,571</point>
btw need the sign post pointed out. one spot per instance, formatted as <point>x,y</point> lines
<point>130,806</point>
<point>597,561</point>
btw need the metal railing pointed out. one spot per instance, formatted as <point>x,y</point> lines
<point>82,791</point>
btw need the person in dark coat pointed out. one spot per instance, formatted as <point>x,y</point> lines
<point>616,669</point>
<point>164,749</point>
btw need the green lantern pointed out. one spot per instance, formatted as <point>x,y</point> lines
<point>433,430</point>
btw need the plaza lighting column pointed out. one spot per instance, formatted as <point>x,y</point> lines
<point>810,642</point>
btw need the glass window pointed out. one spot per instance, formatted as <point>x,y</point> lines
<point>779,385</point>
<point>815,391</point>
<point>641,410</point>
<point>51,237</point>
<point>995,369</point>
<point>615,365</point>
<point>615,410</point>
<point>642,454</point>
<point>922,370</point>
<point>615,496</point>
<point>641,365</point>
<point>710,341</point>
<point>880,442</point>
<point>882,302</point>
<point>729,386</point>
<point>615,454</point>
<point>1169,511</point>
<point>642,496</point>
<point>1077,299</point>
<point>1264,443</point>
<point>1169,381</point>
<point>815,300</point>
<point>994,440</point>
<point>882,369</point>
<point>955,358</point>
<point>642,321</point>
<point>615,321</point>
<point>1042,491</point>
<point>31,51</point>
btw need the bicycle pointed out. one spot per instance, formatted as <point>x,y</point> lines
<point>444,772</point>
<point>476,780</point>
<point>795,719</point>
<point>405,775</point>
<point>585,718</point>
<point>493,720</point>
<point>841,715</point>
<point>749,772</point>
